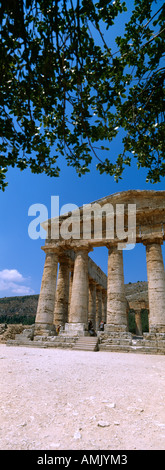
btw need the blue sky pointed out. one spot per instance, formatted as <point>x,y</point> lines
<point>21,258</point>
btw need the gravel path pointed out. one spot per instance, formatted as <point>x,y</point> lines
<point>63,399</point>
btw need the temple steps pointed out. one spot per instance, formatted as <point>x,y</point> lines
<point>86,343</point>
<point>114,342</point>
<point>136,345</point>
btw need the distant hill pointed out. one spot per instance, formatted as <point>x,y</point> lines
<point>137,294</point>
<point>22,309</point>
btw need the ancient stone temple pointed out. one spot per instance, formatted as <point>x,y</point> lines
<point>74,289</point>
<point>74,298</point>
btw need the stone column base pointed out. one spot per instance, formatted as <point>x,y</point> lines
<point>44,329</point>
<point>77,329</point>
<point>158,328</point>
<point>111,328</point>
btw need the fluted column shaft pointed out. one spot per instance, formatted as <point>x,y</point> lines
<point>104,306</point>
<point>62,292</point>
<point>92,302</point>
<point>44,316</point>
<point>70,291</point>
<point>79,297</point>
<point>156,287</point>
<point>98,306</point>
<point>116,300</point>
<point>138,322</point>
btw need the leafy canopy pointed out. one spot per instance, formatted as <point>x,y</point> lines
<point>64,91</point>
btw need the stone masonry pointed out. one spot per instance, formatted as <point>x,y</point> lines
<point>74,289</point>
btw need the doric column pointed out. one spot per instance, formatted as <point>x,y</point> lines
<point>78,314</point>
<point>104,305</point>
<point>138,322</point>
<point>70,289</point>
<point>116,300</point>
<point>44,316</point>
<point>92,302</point>
<point>156,287</point>
<point>98,306</point>
<point>62,292</point>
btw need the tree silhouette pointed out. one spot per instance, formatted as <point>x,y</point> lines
<point>64,91</point>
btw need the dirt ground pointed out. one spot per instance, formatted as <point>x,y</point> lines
<point>63,399</point>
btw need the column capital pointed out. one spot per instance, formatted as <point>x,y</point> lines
<point>83,247</point>
<point>137,310</point>
<point>98,287</point>
<point>155,241</point>
<point>119,246</point>
<point>63,258</point>
<point>111,246</point>
<point>71,265</point>
<point>50,250</point>
<point>92,281</point>
<point>104,291</point>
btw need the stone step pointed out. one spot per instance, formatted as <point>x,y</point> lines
<point>43,342</point>
<point>87,340</point>
<point>129,349</point>
<point>86,343</point>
